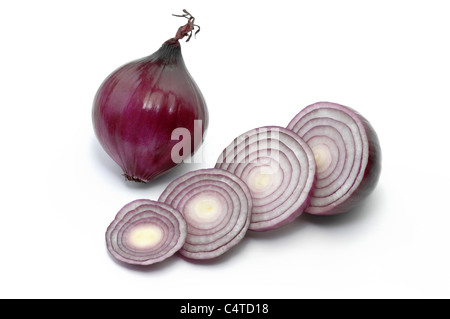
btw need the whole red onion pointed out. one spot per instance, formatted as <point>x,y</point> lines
<point>138,107</point>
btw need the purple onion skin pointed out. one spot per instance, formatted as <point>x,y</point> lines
<point>372,170</point>
<point>138,106</point>
<point>371,173</point>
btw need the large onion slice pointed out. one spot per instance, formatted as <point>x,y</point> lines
<point>347,155</point>
<point>145,232</point>
<point>216,206</point>
<point>279,169</point>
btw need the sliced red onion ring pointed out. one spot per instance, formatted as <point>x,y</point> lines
<point>279,169</point>
<point>145,232</point>
<point>216,206</point>
<point>347,155</point>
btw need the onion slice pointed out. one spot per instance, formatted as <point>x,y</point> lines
<point>279,169</point>
<point>145,232</point>
<point>216,206</point>
<point>347,153</point>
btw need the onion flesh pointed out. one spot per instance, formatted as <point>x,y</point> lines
<point>217,208</point>
<point>347,154</point>
<point>279,169</point>
<point>140,105</point>
<point>145,232</point>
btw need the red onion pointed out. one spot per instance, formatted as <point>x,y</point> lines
<point>216,206</point>
<point>139,107</point>
<point>279,169</point>
<point>347,154</point>
<point>145,232</point>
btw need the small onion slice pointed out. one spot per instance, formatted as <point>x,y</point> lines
<point>347,155</point>
<point>217,208</point>
<point>145,232</point>
<point>279,169</point>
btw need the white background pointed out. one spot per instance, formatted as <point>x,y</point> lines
<point>257,63</point>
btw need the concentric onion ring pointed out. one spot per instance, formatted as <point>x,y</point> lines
<point>145,232</point>
<point>216,206</point>
<point>347,154</point>
<point>279,169</point>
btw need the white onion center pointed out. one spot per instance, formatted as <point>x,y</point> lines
<point>145,236</point>
<point>322,156</point>
<point>263,178</point>
<point>204,210</point>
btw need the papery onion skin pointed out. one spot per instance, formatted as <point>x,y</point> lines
<point>168,220</point>
<point>366,181</point>
<point>140,104</point>
<point>237,159</point>
<point>206,241</point>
